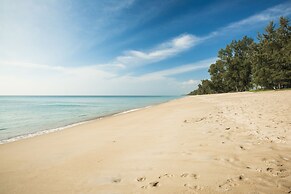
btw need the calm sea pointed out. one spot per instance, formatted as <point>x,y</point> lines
<point>24,116</point>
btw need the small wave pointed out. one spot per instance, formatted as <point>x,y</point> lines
<point>38,133</point>
<point>3,129</point>
<point>12,139</point>
<point>66,105</point>
<point>131,110</point>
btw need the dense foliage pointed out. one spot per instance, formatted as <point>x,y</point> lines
<point>245,65</point>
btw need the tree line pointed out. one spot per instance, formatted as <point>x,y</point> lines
<point>245,64</point>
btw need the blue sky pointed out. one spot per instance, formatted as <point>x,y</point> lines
<point>120,47</point>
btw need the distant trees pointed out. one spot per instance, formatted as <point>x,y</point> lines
<point>204,88</point>
<point>244,64</point>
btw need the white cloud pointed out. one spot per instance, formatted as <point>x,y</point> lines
<point>267,15</point>
<point>184,42</point>
<point>37,79</point>
<point>40,79</point>
<point>17,77</point>
<point>190,85</point>
<point>57,32</point>
<point>163,51</point>
<point>182,68</point>
<point>191,82</point>
<point>88,70</point>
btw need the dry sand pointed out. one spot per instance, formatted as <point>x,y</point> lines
<point>233,143</point>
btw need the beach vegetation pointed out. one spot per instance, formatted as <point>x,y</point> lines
<point>245,65</point>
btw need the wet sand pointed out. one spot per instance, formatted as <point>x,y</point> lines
<point>224,143</point>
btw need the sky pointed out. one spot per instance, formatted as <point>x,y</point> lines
<point>121,47</point>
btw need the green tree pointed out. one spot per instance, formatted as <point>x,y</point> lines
<point>271,57</point>
<point>232,71</point>
<point>282,72</point>
<point>206,87</point>
<point>217,73</point>
<point>238,65</point>
<point>244,64</point>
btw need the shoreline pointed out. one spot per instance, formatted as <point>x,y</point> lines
<point>53,130</point>
<point>234,143</point>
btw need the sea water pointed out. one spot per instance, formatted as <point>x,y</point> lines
<point>25,116</point>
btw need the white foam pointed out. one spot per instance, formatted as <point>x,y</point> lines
<point>38,133</point>
<point>131,110</point>
<point>20,137</point>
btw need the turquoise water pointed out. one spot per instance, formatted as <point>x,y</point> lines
<point>24,116</point>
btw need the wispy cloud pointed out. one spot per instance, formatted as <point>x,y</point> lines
<point>88,70</point>
<point>184,42</point>
<point>95,70</point>
<point>272,13</point>
<point>163,51</point>
<point>203,64</point>
<point>48,80</point>
<point>118,5</point>
<point>190,82</point>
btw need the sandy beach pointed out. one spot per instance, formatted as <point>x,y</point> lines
<point>223,143</point>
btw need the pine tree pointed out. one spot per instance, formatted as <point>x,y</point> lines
<point>271,57</point>
<point>217,73</point>
<point>244,64</point>
<point>282,78</point>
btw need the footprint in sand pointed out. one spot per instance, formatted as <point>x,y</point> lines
<point>151,184</point>
<point>154,184</point>
<point>184,175</point>
<point>141,179</point>
<point>280,172</point>
<point>227,185</point>
<point>200,119</point>
<point>166,175</point>
<point>116,180</point>
<point>232,182</point>
<point>193,187</point>
<point>270,169</point>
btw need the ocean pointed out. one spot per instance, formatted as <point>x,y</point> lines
<point>26,116</point>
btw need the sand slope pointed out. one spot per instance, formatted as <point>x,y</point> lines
<point>233,143</point>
